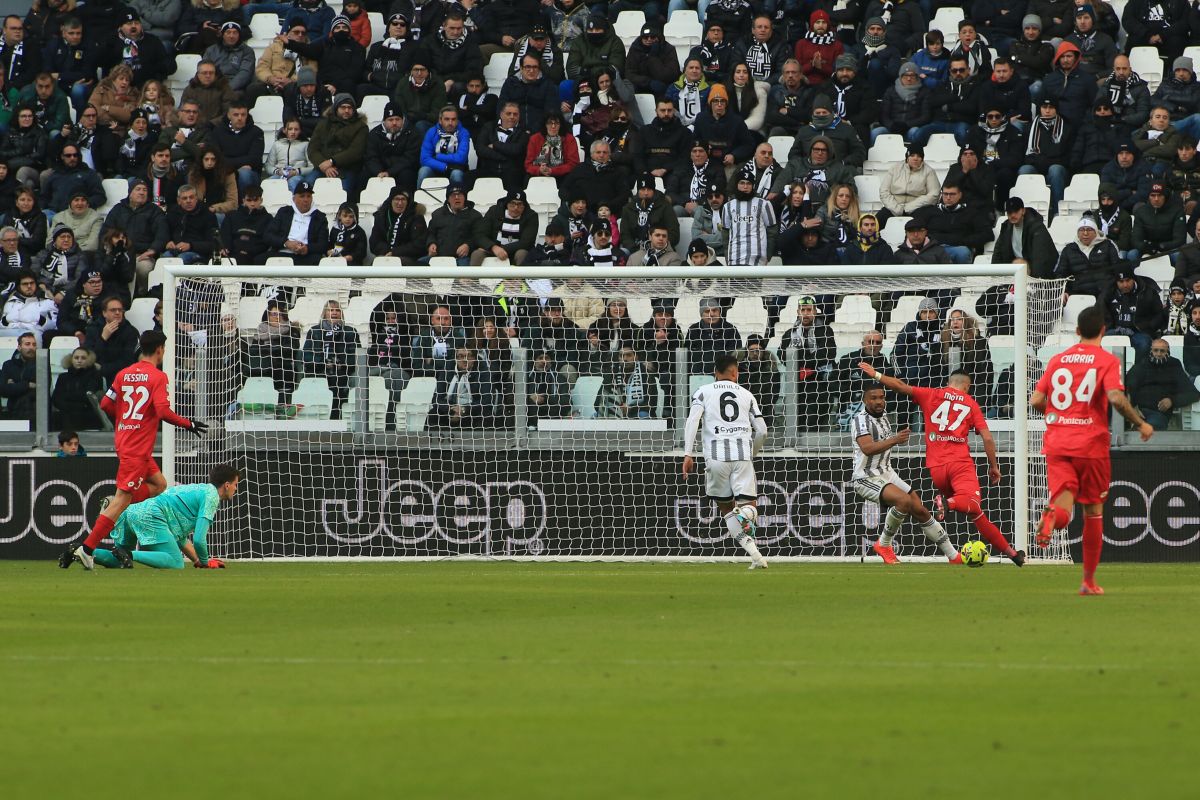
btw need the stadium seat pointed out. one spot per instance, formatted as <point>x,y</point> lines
<point>314,396</point>
<point>359,308</point>
<point>264,27</point>
<point>904,312</point>
<point>748,315</point>
<point>414,404</point>
<point>156,276</point>
<point>60,348</point>
<point>946,20</point>
<point>645,107</point>
<point>886,152</point>
<point>268,114</point>
<point>115,190</point>
<point>276,194</point>
<point>629,26</point>
<point>1193,52</point>
<point>378,26</point>
<point>867,187</point>
<point>1158,270</point>
<point>781,145</point>
<point>279,261</point>
<point>256,393</point>
<point>1032,189</point>
<point>683,28</point>
<point>583,396</point>
<point>328,195</point>
<point>374,195</point>
<point>1080,194</point>
<point>307,310</point>
<point>893,231</point>
<point>854,314</point>
<point>697,381</point>
<point>1063,229</point>
<point>685,236</point>
<point>141,313</point>
<point>942,148</point>
<point>250,312</point>
<point>495,72</point>
<point>185,70</point>
<point>1147,63</point>
<point>1002,352</point>
<point>377,403</point>
<point>486,192</point>
<point>639,309</point>
<point>543,194</point>
<point>372,107</point>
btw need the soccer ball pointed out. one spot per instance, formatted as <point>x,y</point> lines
<point>974,553</point>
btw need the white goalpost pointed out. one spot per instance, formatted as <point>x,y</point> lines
<point>384,436</point>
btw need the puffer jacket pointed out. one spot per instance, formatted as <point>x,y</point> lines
<point>342,140</point>
<point>1091,272</point>
<point>587,59</point>
<point>1181,98</point>
<point>235,63</point>
<point>898,115</point>
<point>904,190</point>
<point>24,147</point>
<point>58,270</point>
<point>1160,150</point>
<point>287,158</point>
<point>402,235</point>
<point>34,314</point>
<point>1158,230</point>
<point>449,229</point>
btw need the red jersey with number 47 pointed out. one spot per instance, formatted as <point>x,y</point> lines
<point>1076,384</point>
<point>950,416</point>
<point>137,401</point>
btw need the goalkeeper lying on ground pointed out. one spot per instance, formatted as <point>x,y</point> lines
<point>172,524</point>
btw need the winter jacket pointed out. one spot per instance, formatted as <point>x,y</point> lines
<point>1181,98</point>
<point>15,376</point>
<point>848,149</point>
<point>397,154</point>
<point>343,141</point>
<point>657,211</point>
<point>806,50</point>
<point>587,57</point>
<point>567,25</point>
<point>778,51</point>
<point>798,104</point>
<point>934,70</point>
<point>657,63</point>
<point>212,100</point>
<point>441,162</point>
<point>145,226</point>
<point>987,16</point>
<point>855,102</point>
<point>115,354</point>
<point>609,186</point>
<point>1073,91</point>
<point>24,147</point>
<point>1130,101</point>
<point>274,64</point>
<point>704,342</point>
<point>898,115</point>
<point>242,148</point>
<point>931,253</point>
<point>198,228</point>
<point>817,358</point>
<point>51,114</point>
<point>1158,150</point>
<point>420,103</point>
<point>403,236</point>
<point>1037,246</point>
<point>61,183</point>
<point>533,149</point>
<point>1118,230</point>
<point>281,225</point>
<point>386,66</point>
<point>907,27</point>
<point>86,227</point>
<point>287,158</point>
<point>151,61</point>
<point>957,102</point>
<point>877,253</point>
<point>70,63</point>
<point>458,64</point>
<point>1148,383</point>
<point>902,190</point>
<point>35,314</point>
<point>1031,59</point>
<point>309,111</point>
<point>448,229</point>
<point>1097,59</point>
<point>243,234</point>
<point>964,225</point>
<point>235,63</point>
<point>221,197</point>
<point>78,310</point>
<point>1132,185</point>
<point>1139,310</point>
<point>59,270</point>
<point>1050,10</point>
<point>1158,230</point>
<point>189,151</point>
<point>70,398</point>
<point>489,229</point>
<point>341,64</point>
<point>348,242</point>
<point>536,99</point>
<point>1095,143</point>
<point>918,353</point>
<point>1047,151</point>
<point>1011,97</point>
<point>1092,272</point>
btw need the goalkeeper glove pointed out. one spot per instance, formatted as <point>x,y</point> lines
<point>213,563</point>
<point>197,427</point>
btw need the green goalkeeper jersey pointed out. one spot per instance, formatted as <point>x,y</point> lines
<point>178,513</point>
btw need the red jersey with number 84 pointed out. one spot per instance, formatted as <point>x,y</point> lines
<point>1076,384</point>
<point>950,416</point>
<point>138,400</point>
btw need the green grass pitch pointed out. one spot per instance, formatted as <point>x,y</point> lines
<point>480,680</point>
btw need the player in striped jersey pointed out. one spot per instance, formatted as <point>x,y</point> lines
<point>734,432</point>
<point>875,480</point>
<point>747,218</point>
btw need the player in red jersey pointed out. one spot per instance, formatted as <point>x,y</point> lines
<point>1074,394</point>
<point>136,401</point>
<point>950,415</point>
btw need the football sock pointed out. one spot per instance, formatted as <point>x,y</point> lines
<point>935,533</point>
<point>1062,517</point>
<point>140,493</point>
<point>100,528</point>
<point>733,524</point>
<point>988,530</point>
<point>891,526</point>
<point>963,504</point>
<point>105,558</point>
<point>750,547</point>
<point>1093,543</point>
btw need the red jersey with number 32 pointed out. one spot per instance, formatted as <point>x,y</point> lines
<point>1076,384</point>
<point>138,400</point>
<point>950,416</point>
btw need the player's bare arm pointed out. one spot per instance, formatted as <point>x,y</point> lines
<point>1038,402</point>
<point>895,384</point>
<point>1120,402</point>
<point>870,447</point>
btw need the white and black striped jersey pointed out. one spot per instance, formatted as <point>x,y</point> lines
<point>728,422</point>
<point>878,428</point>
<point>747,222</point>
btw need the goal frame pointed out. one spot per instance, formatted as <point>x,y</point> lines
<point>1015,272</point>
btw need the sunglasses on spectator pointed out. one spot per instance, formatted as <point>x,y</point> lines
<point>959,70</point>
<point>995,116</point>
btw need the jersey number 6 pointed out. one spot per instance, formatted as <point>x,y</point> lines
<point>135,398</point>
<point>729,407</point>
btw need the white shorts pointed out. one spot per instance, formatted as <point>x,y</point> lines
<point>725,480</point>
<point>872,488</point>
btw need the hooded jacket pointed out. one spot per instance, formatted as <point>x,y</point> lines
<point>396,154</point>
<point>145,226</point>
<point>235,63</point>
<point>1158,230</point>
<point>588,57</point>
<point>401,235</point>
<point>1141,309</point>
<point>344,141</point>
<point>918,353</point>
<point>902,190</point>
<point>1073,91</point>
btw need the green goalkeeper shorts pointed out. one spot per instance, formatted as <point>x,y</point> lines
<point>141,524</point>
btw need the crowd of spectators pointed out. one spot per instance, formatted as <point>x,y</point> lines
<point>1042,87</point>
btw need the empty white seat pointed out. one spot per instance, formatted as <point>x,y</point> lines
<point>888,150</point>
<point>946,20</point>
<point>256,394</point>
<point>495,72</point>
<point>378,26</point>
<point>645,107</point>
<point>314,397</point>
<point>276,194</point>
<point>542,192</point>
<point>1147,63</point>
<point>250,312</point>
<point>307,310</point>
<point>185,70</point>
<point>413,406</point>
<point>1032,189</point>
<point>893,231</point>
<point>629,26</point>
<point>868,192</point>
<point>328,191</point>
<point>486,192</point>
<point>377,403</point>
<point>683,28</point>
<point>1075,304</point>
<point>264,27</point>
<point>1158,270</point>
<point>855,312</point>
<point>372,106</point>
<point>904,312</point>
<point>942,147</point>
<point>748,315</point>
<point>1063,229</point>
<point>141,313</point>
<point>698,382</point>
<point>115,190</point>
<point>583,396</point>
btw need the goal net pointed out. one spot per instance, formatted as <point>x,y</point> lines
<point>408,413</point>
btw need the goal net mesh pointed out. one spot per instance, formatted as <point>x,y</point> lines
<point>442,418</point>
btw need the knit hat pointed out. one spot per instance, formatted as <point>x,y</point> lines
<point>1031,21</point>
<point>825,140</point>
<point>305,76</point>
<point>645,181</point>
<point>555,228</point>
<point>392,109</point>
<point>818,14</point>
<point>344,99</point>
<point>340,19</point>
<point>746,174</point>
<point>1106,190</point>
<point>717,91</point>
<point>909,66</point>
<point>875,21</point>
<point>709,302</point>
<point>598,21</point>
<point>1086,222</point>
<point>1183,62</point>
<point>846,61</point>
<point>929,304</point>
<point>822,102</point>
<point>697,246</point>
<point>1085,9</point>
<point>59,230</point>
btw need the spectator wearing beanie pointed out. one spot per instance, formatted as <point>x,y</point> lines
<point>848,149</point>
<point>818,50</point>
<point>1179,93</point>
<point>1032,57</point>
<point>905,105</point>
<point>880,60</point>
<point>1096,48</point>
<point>1090,263</point>
<point>1129,175</point>
<point>393,149</point>
<point>341,59</point>
<point>854,100</point>
<point>1099,137</point>
<point>399,228</point>
<point>339,144</point>
<point>1000,146</point>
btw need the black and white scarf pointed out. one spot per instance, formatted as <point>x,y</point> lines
<point>451,44</point>
<point>600,256</point>
<point>447,141</point>
<point>129,148</point>
<point>510,230</point>
<point>1087,41</point>
<point>991,140</point>
<point>758,59</point>
<point>16,59</point>
<point>653,256</point>
<point>1106,223</point>
<point>820,39</point>
<point>1054,128</point>
<point>1118,90</point>
<point>699,185</point>
<point>974,55</point>
<point>547,53</point>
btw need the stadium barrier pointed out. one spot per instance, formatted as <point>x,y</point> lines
<point>1152,515</point>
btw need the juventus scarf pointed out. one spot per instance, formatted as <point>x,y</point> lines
<point>1041,128</point>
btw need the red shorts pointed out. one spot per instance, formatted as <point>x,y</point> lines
<point>132,472</point>
<point>1086,478</point>
<point>956,478</point>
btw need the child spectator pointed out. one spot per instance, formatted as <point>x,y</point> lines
<point>69,446</point>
